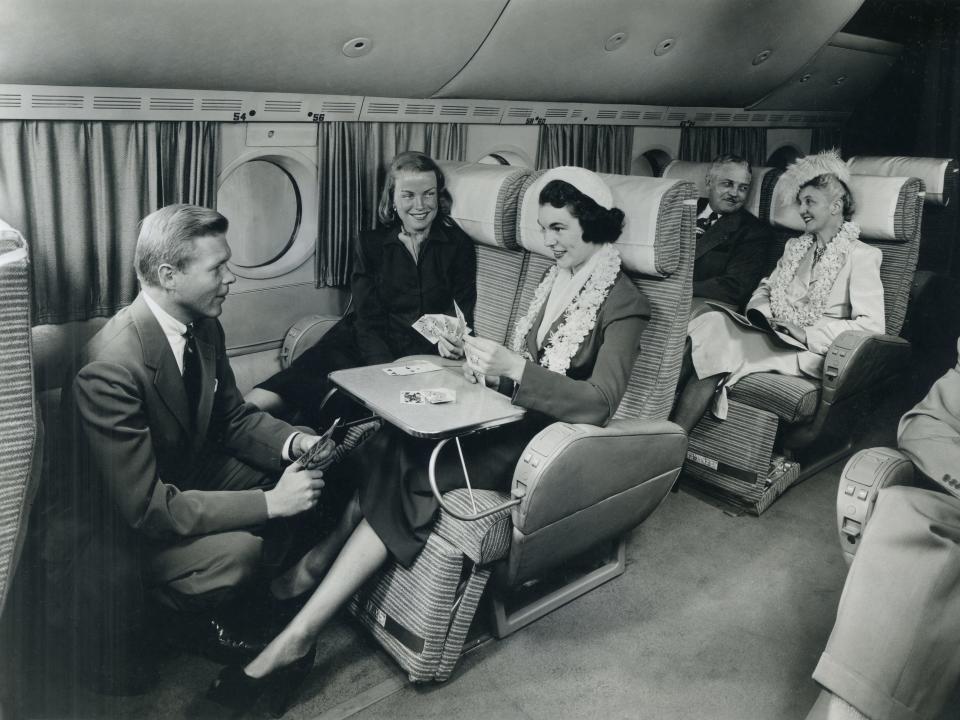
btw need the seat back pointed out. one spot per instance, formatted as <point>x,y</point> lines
<point>888,211</point>
<point>485,201</point>
<point>20,430</point>
<point>656,248</point>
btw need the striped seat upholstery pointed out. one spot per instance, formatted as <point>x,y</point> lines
<point>20,435</point>
<point>793,399</point>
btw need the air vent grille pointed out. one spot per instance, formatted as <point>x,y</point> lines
<point>652,115</point>
<point>722,117</point>
<point>382,108</point>
<point>741,117</point>
<point>171,103</point>
<point>454,110</point>
<point>415,109</point>
<point>485,111</point>
<point>676,116</point>
<point>578,113</point>
<point>609,114</point>
<point>57,101</point>
<point>112,102</point>
<point>283,106</point>
<point>334,107</point>
<point>702,116</point>
<point>775,118</point>
<point>221,104</point>
<point>556,113</point>
<point>758,117</point>
<point>520,112</point>
<point>10,100</point>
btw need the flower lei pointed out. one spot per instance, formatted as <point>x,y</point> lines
<point>578,319</point>
<point>824,274</point>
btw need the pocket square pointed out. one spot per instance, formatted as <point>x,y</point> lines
<point>216,384</point>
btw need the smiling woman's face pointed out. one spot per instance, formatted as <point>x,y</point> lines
<point>416,198</point>
<point>563,235</point>
<point>817,209</point>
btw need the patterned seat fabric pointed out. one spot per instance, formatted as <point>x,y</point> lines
<point>793,399</point>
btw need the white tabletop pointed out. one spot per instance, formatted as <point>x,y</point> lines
<point>476,407</point>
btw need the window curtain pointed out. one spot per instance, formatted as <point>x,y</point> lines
<point>352,167</point>
<point>703,144</point>
<point>78,190</point>
<point>825,138</point>
<point>601,148</point>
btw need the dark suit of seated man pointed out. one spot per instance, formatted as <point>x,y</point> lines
<point>894,653</point>
<point>731,243</point>
<point>174,489</point>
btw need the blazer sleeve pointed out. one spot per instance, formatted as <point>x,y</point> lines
<point>866,301</point>
<point>744,267</point>
<point>370,321</point>
<point>593,400</point>
<point>113,425</point>
<point>929,434</point>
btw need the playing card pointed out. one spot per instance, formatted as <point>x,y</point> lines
<point>461,321</point>
<point>431,327</point>
<point>413,368</point>
<point>435,396</point>
<point>412,397</point>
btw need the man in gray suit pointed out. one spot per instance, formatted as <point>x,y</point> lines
<point>175,494</point>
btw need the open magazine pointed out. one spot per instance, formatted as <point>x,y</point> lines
<point>756,320</point>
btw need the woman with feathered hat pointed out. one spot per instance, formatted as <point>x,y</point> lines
<point>827,281</point>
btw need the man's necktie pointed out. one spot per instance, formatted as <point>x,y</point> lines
<point>192,372</point>
<point>704,222</point>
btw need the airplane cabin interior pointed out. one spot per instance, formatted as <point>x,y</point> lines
<point>622,567</point>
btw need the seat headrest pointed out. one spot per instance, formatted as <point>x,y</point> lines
<point>13,247</point>
<point>887,208</point>
<point>653,213</point>
<point>939,175</point>
<point>485,200</point>
<point>696,172</point>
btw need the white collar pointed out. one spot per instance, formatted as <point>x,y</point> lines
<point>172,328</point>
<point>565,288</point>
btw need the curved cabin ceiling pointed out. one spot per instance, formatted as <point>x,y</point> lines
<point>258,45</point>
<point>727,53</point>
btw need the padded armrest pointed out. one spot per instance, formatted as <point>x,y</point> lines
<point>864,475</point>
<point>858,360</point>
<point>566,468</point>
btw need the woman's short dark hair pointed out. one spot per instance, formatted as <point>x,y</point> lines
<point>836,189</point>
<point>599,225</point>
<point>411,161</point>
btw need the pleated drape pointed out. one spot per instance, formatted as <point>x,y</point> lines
<point>78,190</point>
<point>352,166</point>
<point>601,148</point>
<point>703,144</point>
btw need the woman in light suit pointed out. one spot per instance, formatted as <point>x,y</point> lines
<point>827,281</point>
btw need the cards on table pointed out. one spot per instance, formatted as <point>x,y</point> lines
<point>411,368</point>
<point>432,396</point>
<point>433,326</point>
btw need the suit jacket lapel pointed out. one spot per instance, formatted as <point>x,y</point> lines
<point>157,354</point>
<point>717,233</point>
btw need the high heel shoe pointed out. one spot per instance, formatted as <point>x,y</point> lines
<point>287,681</point>
<point>236,691</point>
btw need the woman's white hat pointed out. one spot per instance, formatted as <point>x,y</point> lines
<point>586,181</point>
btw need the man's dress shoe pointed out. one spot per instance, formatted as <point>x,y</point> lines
<point>210,636</point>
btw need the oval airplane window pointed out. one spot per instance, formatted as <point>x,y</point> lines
<point>651,163</point>
<point>270,198</point>
<point>263,204</point>
<point>783,156</point>
<point>514,157</point>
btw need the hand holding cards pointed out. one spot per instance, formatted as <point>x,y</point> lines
<point>435,326</point>
<point>315,457</point>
